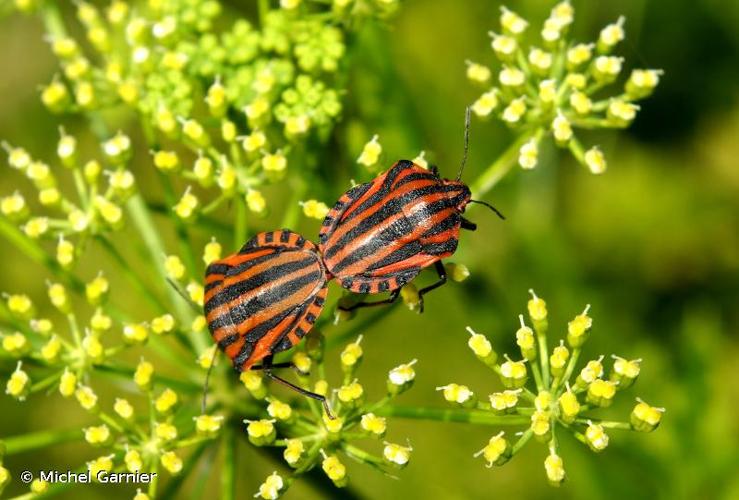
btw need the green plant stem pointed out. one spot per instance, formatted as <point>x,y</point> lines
<point>522,441</point>
<point>500,167</point>
<point>38,440</point>
<point>452,415</point>
<point>131,276</point>
<point>141,218</point>
<point>35,252</point>
<point>228,477</point>
<point>568,371</point>
<point>240,227</point>
<point>608,424</point>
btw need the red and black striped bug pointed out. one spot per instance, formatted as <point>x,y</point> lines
<point>381,234</point>
<point>264,299</point>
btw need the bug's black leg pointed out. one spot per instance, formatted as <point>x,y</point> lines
<point>393,297</point>
<point>434,170</point>
<point>196,308</point>
<point>470,226</point>
<point>442,279</point>
<point>267,367</point>
<point>286,364</point>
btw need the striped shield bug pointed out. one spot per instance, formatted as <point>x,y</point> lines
<point>381,234</point>
<point>264,299</point>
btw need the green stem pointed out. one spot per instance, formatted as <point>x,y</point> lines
<point>522,441</point>
<point>568,371</point>
<point>150,235</point>
<point>608,424</point>
<point>228,478</point>
<point>131,276</point>
<point>240,227</point>
<point>38,440</point>
<point>500,167</point>
<point>452,415</point>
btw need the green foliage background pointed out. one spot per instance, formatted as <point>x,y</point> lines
<point>653,245</point>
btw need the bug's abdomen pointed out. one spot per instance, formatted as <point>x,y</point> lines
<point>381,234</point>
<point>265,298</point>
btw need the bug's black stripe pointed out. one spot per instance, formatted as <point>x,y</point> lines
<point>401,227</point>
<point>244,310</point>
<point>233,291</point>
<point>448,246</point>
<point>212,285</point>
<point>285,236</point>
<point>393,205</point>
<point>240,268</point>
<point>381,193</point>
<point>416,176</point>
<point>227,341</point>
<point>445,225</point>
<point>240,313</point>
<point>217,268</point>
<point>402,253</point>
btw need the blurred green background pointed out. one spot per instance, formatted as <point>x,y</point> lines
<point>653,245</point>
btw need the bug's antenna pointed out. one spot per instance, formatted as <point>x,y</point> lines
<point>490,207</point>
<point>204,403</point>
<point>466,140</point>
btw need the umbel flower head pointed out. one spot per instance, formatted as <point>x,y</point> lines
<point>547,85</point>
<point>548,393</point>
<point>309,437</point>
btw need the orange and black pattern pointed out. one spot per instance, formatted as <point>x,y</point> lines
<point>379,235</point>
<point>265,298</point>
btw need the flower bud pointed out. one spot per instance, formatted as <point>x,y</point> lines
<point>297,126</point>
<point>581,103</point>
<point>578,330</point>
<point>514,111</point>
<point>118,148</point>
<point>254,141</point>
<point>100,322</point>
<point>165,431</point>
<point>511,22</point>
<point>335,470</point>
<point>123,408</point>
<point>624,371</point>
<point>255,201</point>
<point>195,132</point>
<point>642,82</point>
<point>174,267</point>
<point>65,254</point>
<point>20,305</point>
<point>315,209</point>
<point>67,383</point>
<point>133,460</point>
<point>137,333</point>
<point>163,324</point>
<point>50,350</point>
<point>611,35</point>
<point>97,435</point>
<point>547,91</point>
<point>94,350</point>
<point>478,73</point>
<point>504,402</point>
<point>374,425</point>
<point>551,32</point>
<point>458,394</point>
<point>186,207</point>
<point>66,149</point>
<point>58,297</point>
<point>457,272</point>
<point>18,384</point>
<point>56,97</point>
<point>167,161</point>
<point>217,99</point>
<point>486,103</point>
<point>39,486</point>
<point>254,384</point>
<point>607,68</point>
<point>525,340</point>
<point>645,418</point>
<point>370,153</point>
<point>396,455</point>
<point>271,488</point>
<point>410,297</point>
<point>562,130</point>
<point>333,425</point>
<point>86,397</point>
<point>401,378</point>
<point>569,407</point>
<point>122,183</point>
<point>511,77</point>
<point>142,375</point>
<point>497,452</point>
<point>293,452</point>
<point>279,411</point>
<point>100,464</point>
<point>351,394</point>
<point>558,359</point>
<point>541,425</point>
<point>592,371</point>
<point>274,162</point>
<point>14,207</point>
<point>621,113</point>
<point>36,227</point>
<point>482,347</point>
<point>541,61</point>
<point>203,170</point>
<point>596,437</point>
<point>601,393</point>
<point>166,401</point>
<point>97,290</point>
<point>554,466</point>
<point>165,120</point>
<point>578,55</point>
<point>513,374</point>
<point>171,461</point>
<point>504,46</point>
<point>16,344</point>
<point>302,363</point>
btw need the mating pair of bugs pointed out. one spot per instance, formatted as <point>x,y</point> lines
<point>376,239</point>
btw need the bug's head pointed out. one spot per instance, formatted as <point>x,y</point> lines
<point>458,193</point>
